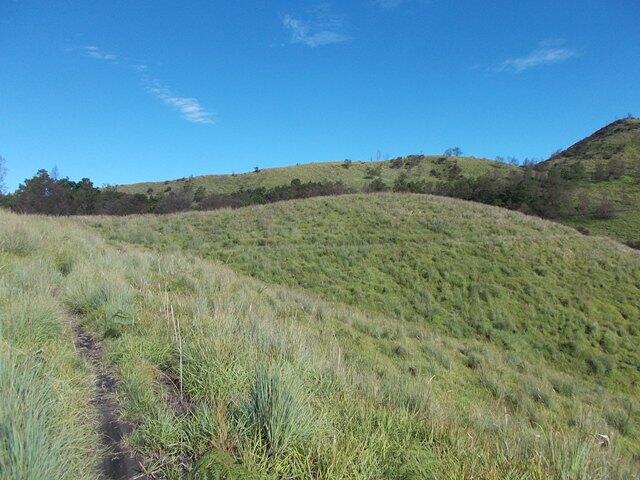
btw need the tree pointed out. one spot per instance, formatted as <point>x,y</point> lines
<point>453,152</point>
<point>3,173</point>
<point>42,194</point>
<point>199,194</point>
<point>605,210</point>
<point>600,173</point>
<point>615,167</point>
<point>454,171</point>
<point>573,171</point>
<point>377,185</point>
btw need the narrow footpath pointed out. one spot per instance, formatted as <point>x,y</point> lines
<point>118,462</point>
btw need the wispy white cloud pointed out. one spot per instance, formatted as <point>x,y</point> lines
<point>324,27</point>
<point>549,52</point>
<point>389,4</point>
<point>189,107</point>
<point>94,52</point>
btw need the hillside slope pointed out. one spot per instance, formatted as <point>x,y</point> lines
<point>230,377</point>
<point>460,267</point>
<point>356,175</point>
<point>605,168</point>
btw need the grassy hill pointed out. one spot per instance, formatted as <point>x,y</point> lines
<point>356,175</point>
<point>605,167</point>
<point>601,173</point>
<point>480,344</point>
<point>530,319</point>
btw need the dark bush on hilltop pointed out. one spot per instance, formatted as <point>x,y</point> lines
<point>396,163</point>
<point>112,202</point>
<point>527,189</point>
<point>257,196</point>
<point>376,185</point>
<point>453,152</point>
<point>605,210</point>
<point>408,162</point>
<point>51,196</point>
<point>47,195</point>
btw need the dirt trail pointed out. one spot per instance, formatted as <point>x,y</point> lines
<point>118,462</point>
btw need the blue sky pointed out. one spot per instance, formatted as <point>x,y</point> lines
<point>125,91</point>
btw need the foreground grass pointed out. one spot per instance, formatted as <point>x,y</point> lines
<point>46,421</point>
<point>279,384</point>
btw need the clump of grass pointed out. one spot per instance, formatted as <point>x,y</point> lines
<point>538,391</point>
<point>29,320</point>
<point>17,240</point>
<point>37,441</point>
<point>102,299</point>
<point>275,413</point>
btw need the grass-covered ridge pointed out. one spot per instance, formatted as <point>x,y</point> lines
<point>283,385</point>
<point>355,175</point>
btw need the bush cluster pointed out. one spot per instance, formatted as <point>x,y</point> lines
<point>45,194</point>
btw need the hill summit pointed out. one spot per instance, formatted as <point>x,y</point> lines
<point>603,173</point>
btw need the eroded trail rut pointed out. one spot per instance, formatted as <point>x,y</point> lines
<point>118,462</point>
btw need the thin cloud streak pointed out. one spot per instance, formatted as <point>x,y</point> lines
<point>537,58</point>
<point>323,29</point>
<point>189,107</point>
<point>389,4</point>
<point>94,52</point>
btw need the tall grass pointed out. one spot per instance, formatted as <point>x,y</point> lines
<point>286,385</point>
<point>275,412</point>
<point>46,421</point>
<point>35,442</point>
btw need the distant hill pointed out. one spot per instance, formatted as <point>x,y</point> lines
<point>604,173</point>
<point>599,177</point>
<point>354,174</point>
